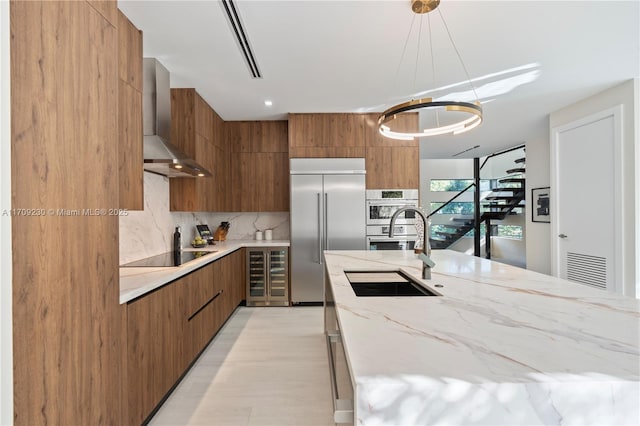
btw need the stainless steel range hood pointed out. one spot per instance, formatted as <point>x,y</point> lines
<point>160,156</point>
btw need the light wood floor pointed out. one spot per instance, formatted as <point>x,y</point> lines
<point>266,366</point>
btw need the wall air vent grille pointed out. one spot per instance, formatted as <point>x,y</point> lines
<point>586,269</point>
<point>240,35</point>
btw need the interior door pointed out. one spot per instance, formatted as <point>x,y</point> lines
<point>345,212</point>
<point>586,232</point>
<point>306,244</point>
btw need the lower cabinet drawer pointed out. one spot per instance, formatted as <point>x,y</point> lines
<point>169,327</point>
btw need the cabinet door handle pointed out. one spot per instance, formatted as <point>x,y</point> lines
<point>562,236</point>
<point>319,231</point>
<point>326,221</point>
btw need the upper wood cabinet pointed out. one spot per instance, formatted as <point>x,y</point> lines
<point>129,52</point>
<point>199,132</point>
<point>326,135</point>
<point>391,163</point>
<point>393,167</point>
<point>260,165</point>
<point>107,8</point>
<point>407,122</point>
<point>130,133</point>
<point>257,136</point>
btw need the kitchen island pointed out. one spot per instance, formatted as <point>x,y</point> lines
<point>500,346</point>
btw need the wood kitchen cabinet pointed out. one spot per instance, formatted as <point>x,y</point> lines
<point>199,132</point>
<point>260,172</point>
<point>68,327</point>
<point>129,52</point>
<point>391,163</point>
<point>326,135</point>
<point>155,341</point>
<point>229,273</point>
<point>204,309</point>
<point>130,133</point>
<point>407,122</point>
<point>393,167</point>
<point>107,8</point>
<point>168,328</point>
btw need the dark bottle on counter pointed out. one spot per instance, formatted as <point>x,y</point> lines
<point>177,243</point>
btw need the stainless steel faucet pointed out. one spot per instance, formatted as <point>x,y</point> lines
<point>427,263</point>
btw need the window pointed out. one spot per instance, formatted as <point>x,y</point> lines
<point>508,231</point>
<point>453,208</point>
<point>447,229</point>
<point>457,185</point>
<point>505,231</point>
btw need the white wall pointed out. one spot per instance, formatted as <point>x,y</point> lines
<point>625,94</point>
<point>537,234</point>
<point>442,169</point>
<point>6,354</point>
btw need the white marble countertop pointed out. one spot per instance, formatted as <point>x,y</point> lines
<point>135,282</point>
<point>502,345</point>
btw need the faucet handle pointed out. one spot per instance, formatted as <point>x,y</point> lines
<point>426,260</point>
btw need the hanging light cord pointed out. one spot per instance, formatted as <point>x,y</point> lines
<point>405,47</point>
<point>473,110</point>
<point>415,71</point>
<point>459,57</point>
<point>433,65</point>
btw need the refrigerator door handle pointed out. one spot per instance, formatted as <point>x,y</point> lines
<point>319,230</point>
<point>326,221</point>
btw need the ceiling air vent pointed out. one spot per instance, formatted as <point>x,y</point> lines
<point>585,269</point>
<point>240,34</point>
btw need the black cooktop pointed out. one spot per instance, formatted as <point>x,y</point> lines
<point>169,259</point>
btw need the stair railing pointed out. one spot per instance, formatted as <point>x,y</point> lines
<point>477,207</point>
<point>495,154</point>
<point>476,202</point>
<point>451,200</point>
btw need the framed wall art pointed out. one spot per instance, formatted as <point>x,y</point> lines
<point>540,199</point>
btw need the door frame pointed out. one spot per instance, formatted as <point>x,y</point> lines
<point>619,204</point>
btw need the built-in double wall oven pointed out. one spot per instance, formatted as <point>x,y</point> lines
<point>381,205</point>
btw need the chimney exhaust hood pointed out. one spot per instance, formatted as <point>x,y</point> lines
<point>160,156</point>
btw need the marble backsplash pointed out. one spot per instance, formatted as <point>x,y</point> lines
<point>150,232</point>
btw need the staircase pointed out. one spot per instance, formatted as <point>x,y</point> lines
<point>507,197</point>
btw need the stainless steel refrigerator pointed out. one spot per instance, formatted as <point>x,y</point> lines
<point>327,213</point>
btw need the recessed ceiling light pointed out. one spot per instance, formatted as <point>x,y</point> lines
<point>268,103</point>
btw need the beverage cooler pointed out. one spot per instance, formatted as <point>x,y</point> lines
<point>267,276</point>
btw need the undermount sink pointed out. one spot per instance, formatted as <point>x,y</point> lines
<point>386,284</point>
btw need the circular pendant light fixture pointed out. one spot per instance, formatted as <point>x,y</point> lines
<point>471,111</point>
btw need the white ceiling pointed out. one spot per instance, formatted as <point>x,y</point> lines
<point>528,58</point>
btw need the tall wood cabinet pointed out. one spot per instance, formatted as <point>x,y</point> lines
<point>69,331</point>
<point>259,172</point>
<point>199,131</point>
<point>391,163</point>
<point>130,133</point>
